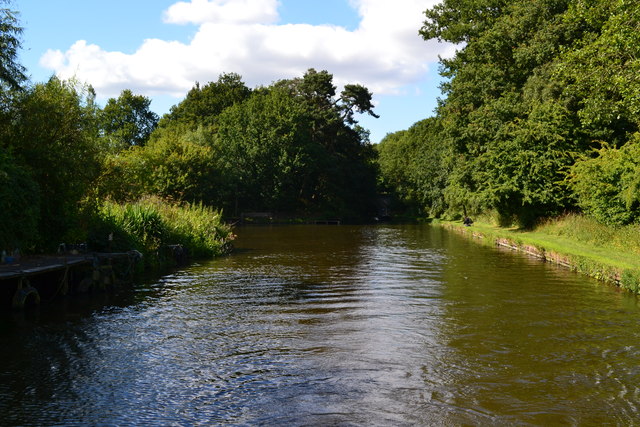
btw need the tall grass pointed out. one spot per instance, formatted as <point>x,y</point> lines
<point>589,231</point>
<point>196,226</point>
<point>152,224</point>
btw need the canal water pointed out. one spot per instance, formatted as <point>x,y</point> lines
<point>333,325</point>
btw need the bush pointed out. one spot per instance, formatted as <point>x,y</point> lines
<point>19,204</point>
<point>607,186</point>
<point>152,223</point>
<point>197,227</point>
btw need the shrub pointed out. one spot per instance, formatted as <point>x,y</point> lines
<point>607,186</point>
<point>152,223</point>
<point>19,204</point>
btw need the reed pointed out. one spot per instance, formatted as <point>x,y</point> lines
<point>198,227</point>
<point>151,224</point>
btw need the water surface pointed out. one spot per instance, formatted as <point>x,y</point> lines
<point>333,325</point>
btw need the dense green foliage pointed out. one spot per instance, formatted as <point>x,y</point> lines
<point>150,225</point>
<point>540,115</point>
<point>203,105</point>
<point>12,74</point>
<point>608,186</point>
<point>127,121</point>
<point>19,202</point>
<point>535,87</point>
<point>412,164</point>
<point>265,150</point>
<point>293,148</point>
<point>50,130</point>
<point>73,171</point>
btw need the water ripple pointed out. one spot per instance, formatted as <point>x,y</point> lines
<point>336,326</point>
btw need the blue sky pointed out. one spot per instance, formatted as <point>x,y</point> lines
<point>160,48</point>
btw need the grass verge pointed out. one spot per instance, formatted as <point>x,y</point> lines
<point>610,254</point>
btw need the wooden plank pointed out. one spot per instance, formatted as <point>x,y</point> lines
<point>43,269</point>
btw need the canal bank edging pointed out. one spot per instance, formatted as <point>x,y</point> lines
<point>27,283</point>
<point>626,278</point>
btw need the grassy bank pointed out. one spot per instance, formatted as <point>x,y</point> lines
<point>611,254</point>
<point>155,228</point>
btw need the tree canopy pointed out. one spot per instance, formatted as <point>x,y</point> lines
<point>203,105</point>
<point>539,115</point>
<point>293,148</point>
<point>127,120</point>
<point>12,73</point>
<point>534,88</point>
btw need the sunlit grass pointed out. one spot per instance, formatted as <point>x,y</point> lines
<point>604,252</point>
<point>586,230</point>
<point>152,223</point>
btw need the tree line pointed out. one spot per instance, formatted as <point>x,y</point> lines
<point>69,167</point>
<point>292,147</point>
<point>539,114</point>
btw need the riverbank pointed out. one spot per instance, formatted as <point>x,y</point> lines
<point>162,232</point>
<point>604,253</point>
<point>122,241</point>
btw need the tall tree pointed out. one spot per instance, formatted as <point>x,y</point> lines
<point>295,146</point>
<point>292,147</point>
<point>127,120</point>
<point>346,181</point>
<point>264,142</point>
<point>53,134</point>
<point>203,104</point>
<point>512,132</point>
<point>19,204</point>
<point>413,165</point>
<point>12,74</point>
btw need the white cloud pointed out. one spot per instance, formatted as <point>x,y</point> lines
<point>385,52</point>
<point>223,11</point>
<point>158,67</point>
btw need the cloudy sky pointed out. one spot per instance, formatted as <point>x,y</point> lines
<point>160,48</point>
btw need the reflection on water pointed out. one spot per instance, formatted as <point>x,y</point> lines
<point>330,325</point>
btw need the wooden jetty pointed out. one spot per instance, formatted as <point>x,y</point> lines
<point>30,280</point>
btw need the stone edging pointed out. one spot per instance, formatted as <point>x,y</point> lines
<point>626,279</point>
